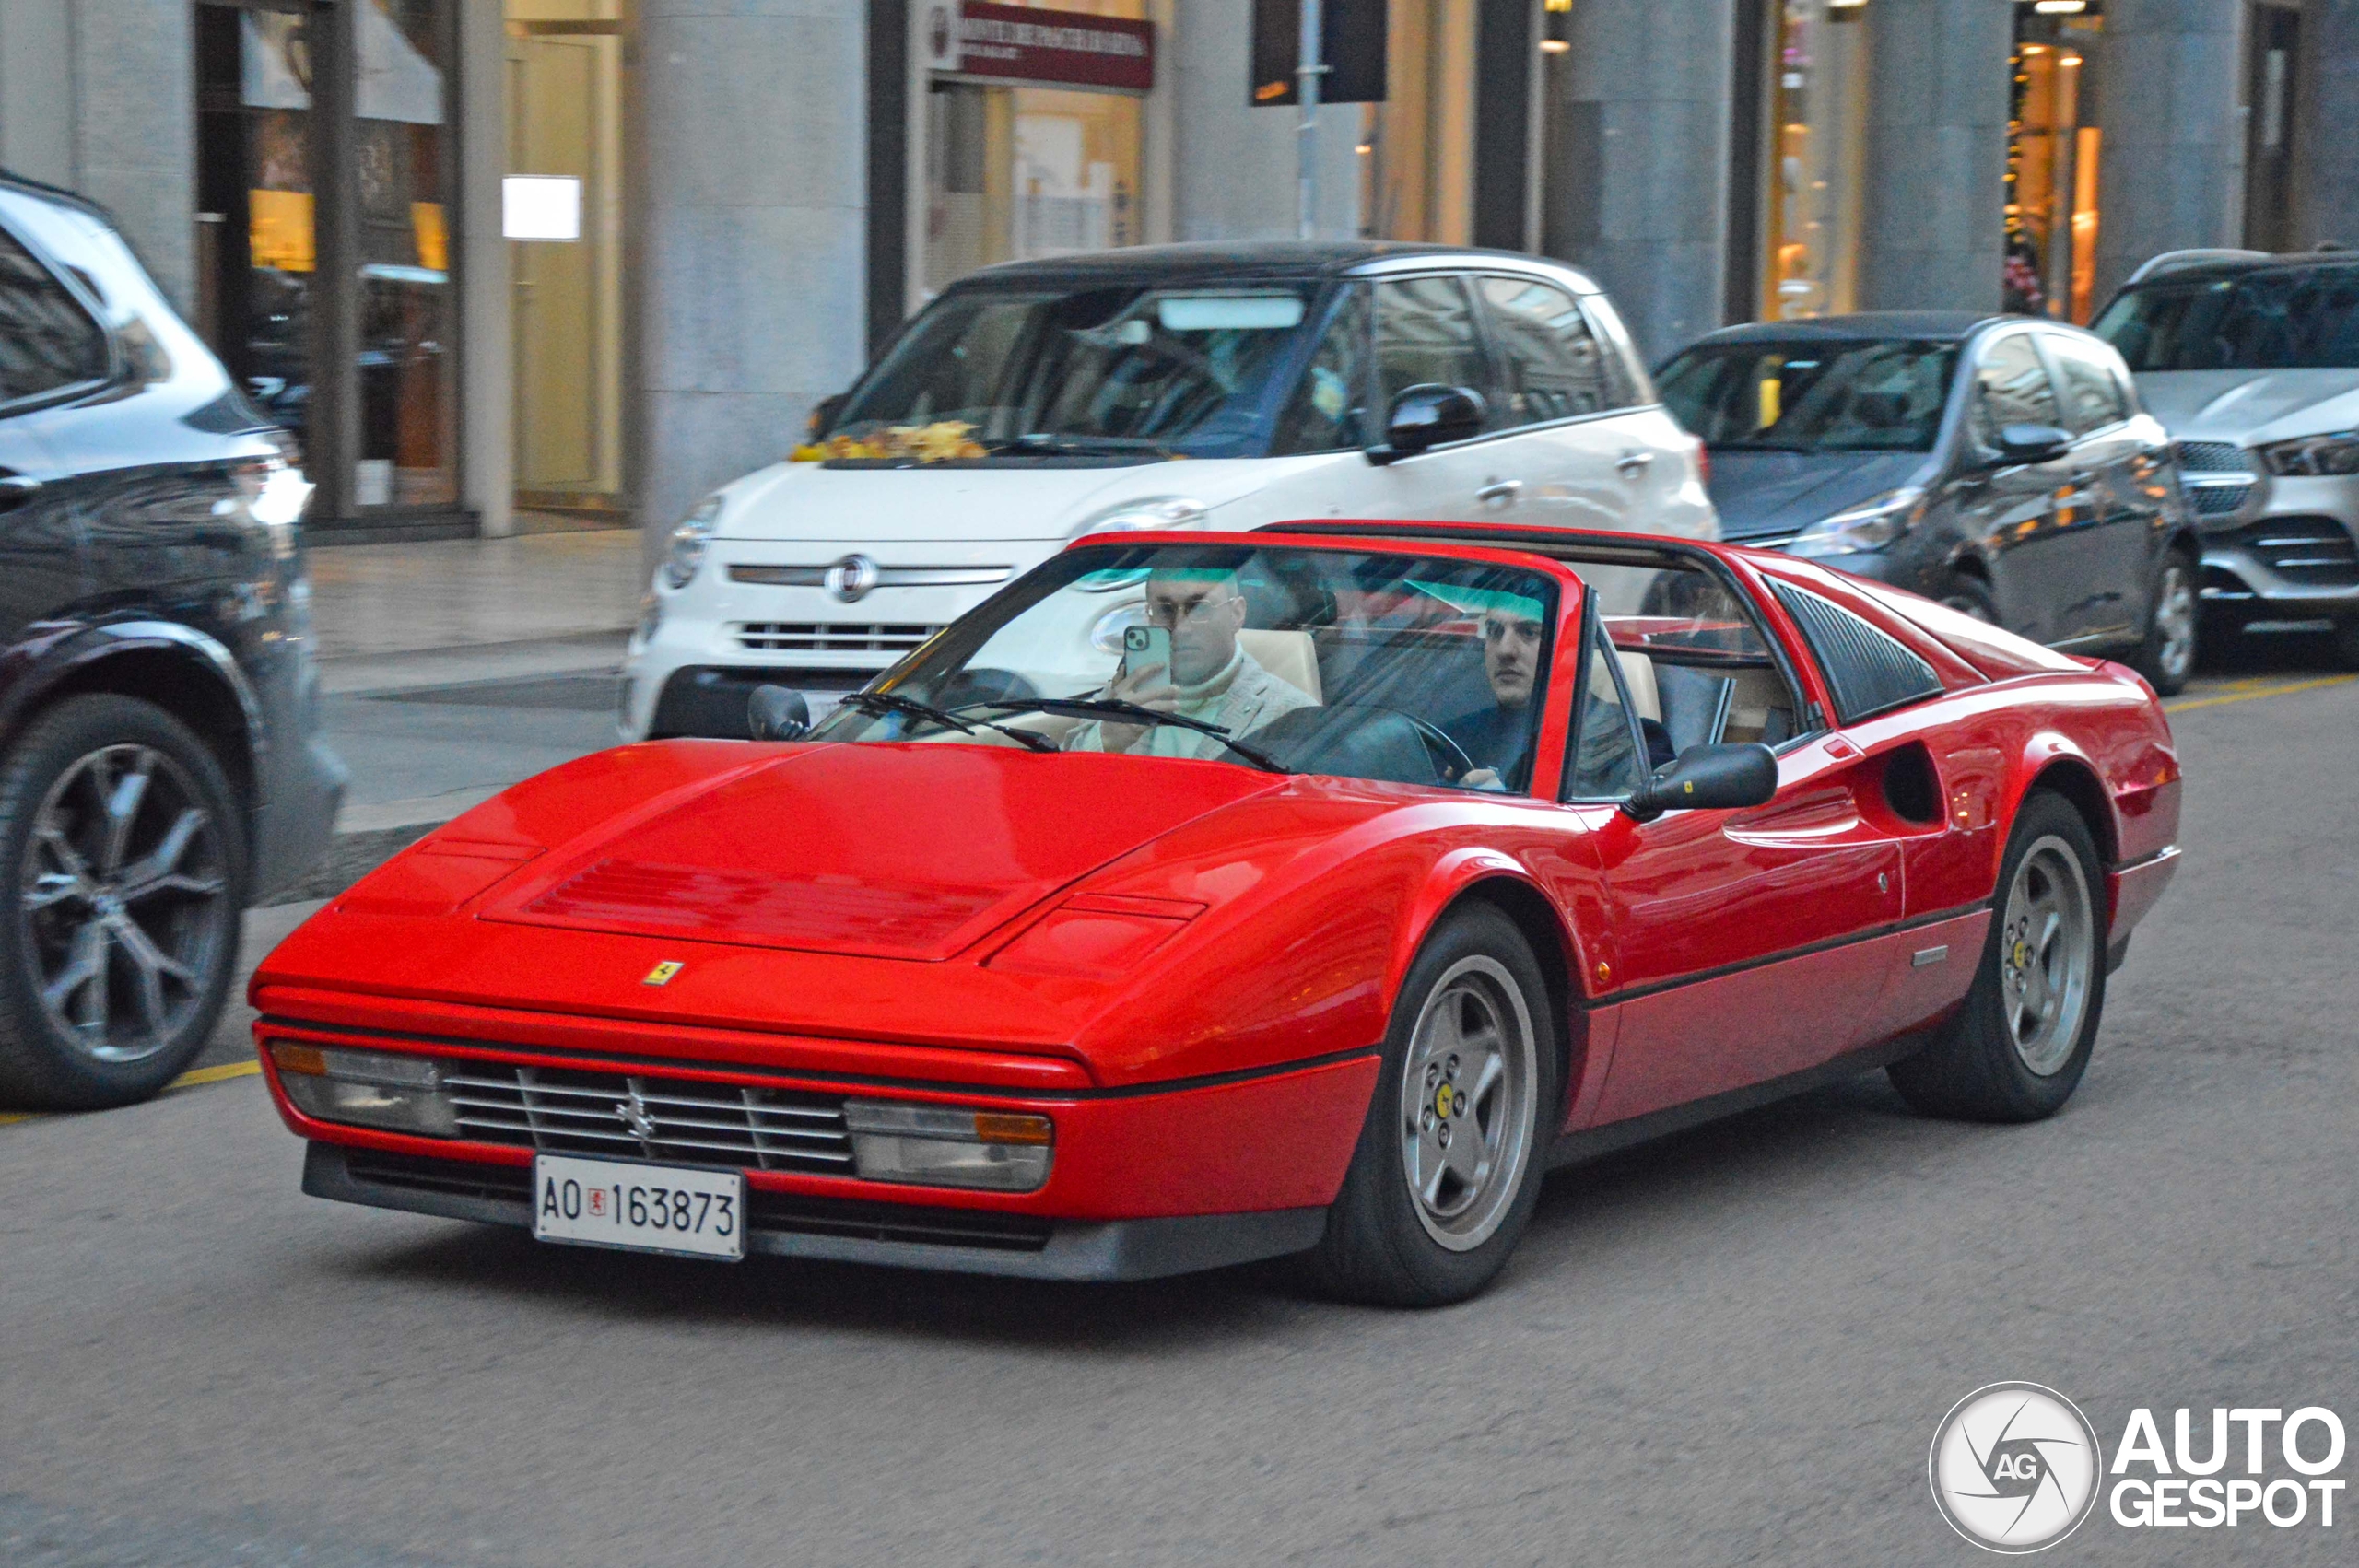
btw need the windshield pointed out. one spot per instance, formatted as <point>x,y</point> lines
<point>1396,667</point>
<point>1125,370</point>
<point>1826,397</point>
<point>2296,319</point>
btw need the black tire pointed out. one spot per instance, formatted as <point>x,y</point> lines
<point>1970,595</point>
<point>150,928</point>
<point>2167,655</point>
<point>1974,1068</point>
<point>1381,1245</point>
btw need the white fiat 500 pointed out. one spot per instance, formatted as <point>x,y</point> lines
<point>1219,387</point>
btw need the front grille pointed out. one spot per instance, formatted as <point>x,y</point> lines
<point>570,1111</point>
<point>769,1212</point>
<point>831,637</point>
<point>2214,457</point>
<point>2218,500</point>
<point>2312,551</point>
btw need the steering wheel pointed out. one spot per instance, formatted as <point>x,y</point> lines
<point>1435,735</point>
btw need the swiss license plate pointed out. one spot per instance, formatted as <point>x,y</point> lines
<point>643,1207</point>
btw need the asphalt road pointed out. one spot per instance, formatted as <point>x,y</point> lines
<point>1732,1346</point>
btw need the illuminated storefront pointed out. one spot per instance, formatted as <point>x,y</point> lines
<point>2055,155</point>
<point>325,274</point>
<point>1034,131</point>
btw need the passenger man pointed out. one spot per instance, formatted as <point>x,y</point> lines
<point>1211,676</point>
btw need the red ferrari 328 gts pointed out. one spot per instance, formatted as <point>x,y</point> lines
<point>1206,897</point>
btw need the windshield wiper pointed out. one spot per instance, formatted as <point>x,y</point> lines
<point>893,702</point>
<point>1049,441</point>
<point>1137,713</point>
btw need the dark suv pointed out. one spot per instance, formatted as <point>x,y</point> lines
<point>2001,465</point>
<point>160,760</point>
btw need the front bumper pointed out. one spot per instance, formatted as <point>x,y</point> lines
<point>1156,1178</point>
<point>894,1236</point>
<point>760,610</point>
<point>2288,551</point>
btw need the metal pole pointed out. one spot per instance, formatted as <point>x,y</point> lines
<point>1307,70</point>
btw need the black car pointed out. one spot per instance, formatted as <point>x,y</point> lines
<point>160,757</point>
<point>1998,463</point>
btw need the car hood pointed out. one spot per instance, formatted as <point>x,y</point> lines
<point>812,500</point>
<point>1763,494</point>
<point>903,851</point>
<point>2250,406</point>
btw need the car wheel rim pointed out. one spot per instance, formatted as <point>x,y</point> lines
<point>1466,1102</point>
<point>2175,619</point>
<point>123,903</point>
<point>1966,603</point>
<point>2047,956</point>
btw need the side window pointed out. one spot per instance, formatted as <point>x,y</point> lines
<point>2092,397</point>
<point>46,339</point>
<point>1426,332</point>
<point>1327,411</point>
<point>1554,367</point>
<point>2011,387</point>
<point>1605,762</point>
<point>1867,670</point>
<point>1626,378</point>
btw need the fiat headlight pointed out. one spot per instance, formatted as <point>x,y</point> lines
<point>1153,511</point>
<point>2314,457</point>
<point>1870,525</point>
<point>689,540</point>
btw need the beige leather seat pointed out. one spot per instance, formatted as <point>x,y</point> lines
<point>1638,675</point>
<point>1289,656</point>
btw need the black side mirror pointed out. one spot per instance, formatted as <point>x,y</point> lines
<point>1428,415</point>
<point>1708,779</point>
<point>777,713</point>
<point>823,414</point>
<point>2033,443</point>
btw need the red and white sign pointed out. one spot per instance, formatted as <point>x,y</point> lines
<point>1030,44</point>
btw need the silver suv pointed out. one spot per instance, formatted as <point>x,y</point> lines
<point>2251,361</point>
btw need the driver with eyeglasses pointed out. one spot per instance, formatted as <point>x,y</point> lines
<point>1211,676</point>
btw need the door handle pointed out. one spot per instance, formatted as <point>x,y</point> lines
<point>15,490</point>
<point>1499,492</point>
<point>1632,463</point>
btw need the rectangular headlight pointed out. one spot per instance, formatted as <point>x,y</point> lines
<point>949,1145</point>
<point>380,1089</point>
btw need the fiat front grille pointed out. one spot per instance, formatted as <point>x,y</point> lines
<point>832,636</point>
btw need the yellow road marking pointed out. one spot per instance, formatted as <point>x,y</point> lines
<point>227,1069</point>
<point>2246,691</point>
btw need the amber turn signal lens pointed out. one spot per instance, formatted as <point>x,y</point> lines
<point>292,1057</point>
<point>996,1127</point>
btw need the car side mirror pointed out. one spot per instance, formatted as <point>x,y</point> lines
<point>777,713</point>
<point>1708,779</point>
<point>2033,443</point>
<point>1426,415</point>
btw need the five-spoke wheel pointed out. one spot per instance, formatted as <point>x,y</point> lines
<point>2016,1048</point>
<point>1449,1160</point>
<point>1466,1120</point>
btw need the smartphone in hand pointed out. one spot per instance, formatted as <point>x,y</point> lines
<point>1144,648</point>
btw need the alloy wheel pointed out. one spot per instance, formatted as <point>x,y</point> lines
<point>124,900</point>
<point>2175,618</point>
<point>2047,956</point>
<point>1467,1111</point>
